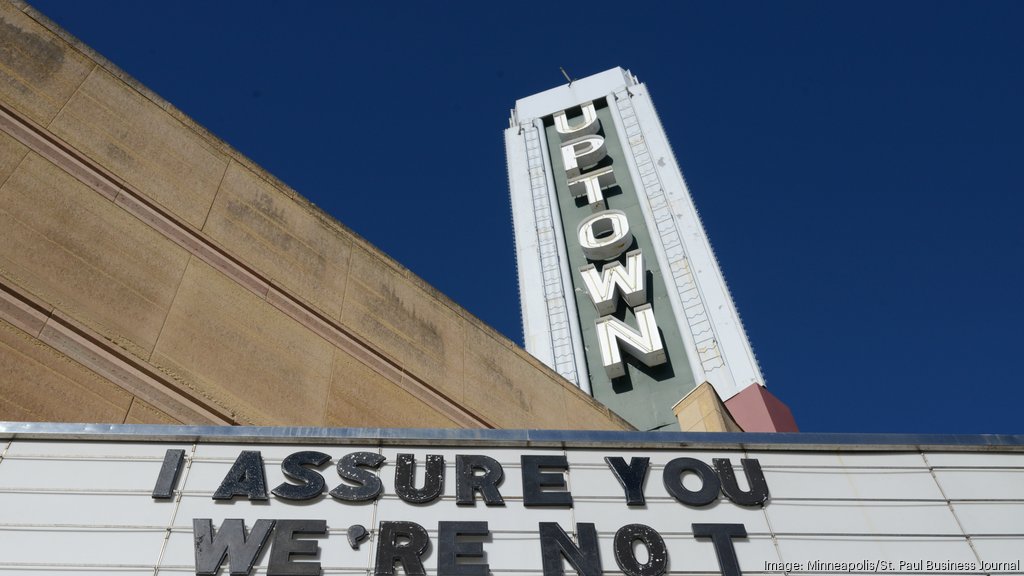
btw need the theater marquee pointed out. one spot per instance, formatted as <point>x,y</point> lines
<point>177,500</point>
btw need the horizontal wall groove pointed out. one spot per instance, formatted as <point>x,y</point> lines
<point>98,355</point>
<point>195,242</point>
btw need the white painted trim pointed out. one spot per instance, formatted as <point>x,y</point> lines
<point>579,359</point>
<point>583,90</point>
<point>551,329</point>
<point>728,329</point>
<point>536,336</point>
<point>696,369</point>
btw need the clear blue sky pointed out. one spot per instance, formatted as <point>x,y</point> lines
<point>859,166</point>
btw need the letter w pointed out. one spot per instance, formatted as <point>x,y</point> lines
<point>628,281</point>
<point>230,542</point>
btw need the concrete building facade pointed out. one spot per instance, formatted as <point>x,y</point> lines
<point>149,273</point>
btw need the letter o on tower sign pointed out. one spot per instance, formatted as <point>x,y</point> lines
<point>605,235</point>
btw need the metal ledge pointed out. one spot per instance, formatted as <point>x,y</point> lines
<point>512,438</point>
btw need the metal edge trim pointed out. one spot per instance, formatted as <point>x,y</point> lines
<point>510,438</point>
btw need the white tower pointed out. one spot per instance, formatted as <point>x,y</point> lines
<point>620,290</point>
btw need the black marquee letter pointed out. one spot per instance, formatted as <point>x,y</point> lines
<point>449,549</point>
<point>368,486</point>
<point>657,553</point>
<point>230,542</point>
<point>758,493</point>
<point>312,483</point>
<point>246,478</point>
<point>285,544</point>
<point>408,553</point>
<point>630,477</point>
<point>169,472</point>
<point>673,477</point>
<point>534,481</point>
<point>405,479</point>
<point>467,482</point>
<point>555,543</point>
<point>721,536</point>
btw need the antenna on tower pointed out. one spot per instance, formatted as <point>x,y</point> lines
<point>566,74</point>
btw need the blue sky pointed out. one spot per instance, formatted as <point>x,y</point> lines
<point>858,166</point>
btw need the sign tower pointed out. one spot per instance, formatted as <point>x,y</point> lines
<point>619,288</point>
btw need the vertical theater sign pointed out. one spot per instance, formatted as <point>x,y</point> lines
<point>604,236</point>
<point>619,288</point>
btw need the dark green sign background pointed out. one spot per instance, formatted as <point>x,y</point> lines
<point>644,396</point>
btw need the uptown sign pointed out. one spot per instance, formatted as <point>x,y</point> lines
<point>604,237</point>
